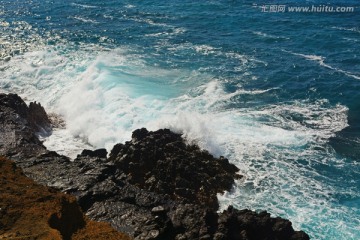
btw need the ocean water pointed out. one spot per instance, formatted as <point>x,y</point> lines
<point>276,93</point>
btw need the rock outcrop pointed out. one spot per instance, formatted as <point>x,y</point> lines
<point>163,163</point>
<point>18,127</point>
<point>153,187</point>
<point>31,211</point>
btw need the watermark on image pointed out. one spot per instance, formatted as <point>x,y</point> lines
<point>276,8</point>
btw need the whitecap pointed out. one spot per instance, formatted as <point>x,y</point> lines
<point>105,95</point>
<point>321,61</point>
<point>173,32</point>
<point>265,35</point>
<point>130,6</point>
<point>354,29</point>
<point>83,5</point>
<point>150,22</point>
<point>85,20</point>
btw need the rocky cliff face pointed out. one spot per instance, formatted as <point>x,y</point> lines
<point>18,125</point>
<point>152,187</point>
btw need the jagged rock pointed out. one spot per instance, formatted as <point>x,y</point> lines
<point>17,136</point>
<point>246,224</point>
<point>161,161</point>
<point>153,187</point>
<point>99,153</point>
<point>38,118</point>
<point>107,193</point>
<point>34,115</point>
<point>139,134</point>
<point>14,103</point>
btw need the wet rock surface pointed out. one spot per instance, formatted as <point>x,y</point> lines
<point>153,187</point>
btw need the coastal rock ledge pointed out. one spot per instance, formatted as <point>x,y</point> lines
<point>155,186</point>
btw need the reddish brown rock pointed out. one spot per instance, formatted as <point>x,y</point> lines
<point>32,211</point>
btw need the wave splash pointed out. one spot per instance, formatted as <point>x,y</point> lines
<point>104,96</point>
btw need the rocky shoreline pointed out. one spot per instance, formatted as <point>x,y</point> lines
<point>154,186</point>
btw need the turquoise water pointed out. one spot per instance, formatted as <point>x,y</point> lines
<point>277,93</point>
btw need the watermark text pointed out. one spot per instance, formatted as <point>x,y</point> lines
<point>306,9</point>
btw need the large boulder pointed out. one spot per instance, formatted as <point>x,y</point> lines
<point>162,162</point>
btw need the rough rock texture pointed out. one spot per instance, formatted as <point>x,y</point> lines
<point>31,211</point>
<point>152,187</point>
<point>18,125</point>
<point>34,114</point>
<point>246,224</point>
<point>162,162</point>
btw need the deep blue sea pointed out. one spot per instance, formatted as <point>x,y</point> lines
<point>278,93</point>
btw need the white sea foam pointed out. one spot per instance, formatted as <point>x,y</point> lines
<point>64,142</point>
<point>130,6</point>
<point>245,61</point>
<point>85,20</point>
<point>357,30</point>
<point>110,99</point>
<point>149,21</point>
<point>265,35</point>
<point>321,61</point>
<point>351,39</point>
<point>172,32</point>
<point>83,5</point>
<point>4,23</point>
<point>105,95</point>
<point>205,49</point>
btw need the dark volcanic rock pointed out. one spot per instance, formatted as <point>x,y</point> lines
<point>153,187</point>
<point>161,161</point>
<point>108,193</point>
<point>18,128</point>
<point>34,115</point>
<point>246,224</point>
<point>99,153</point>
<point>14,103</point>
<point>38,118</point>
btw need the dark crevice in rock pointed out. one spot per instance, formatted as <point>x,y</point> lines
<point>68,220</point>
<point>31,211</point>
